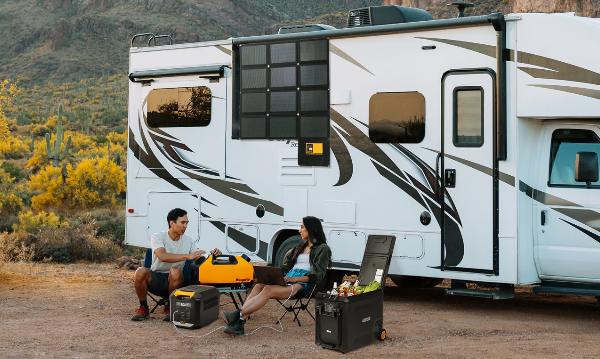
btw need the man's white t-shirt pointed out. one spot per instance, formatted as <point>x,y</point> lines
<point>184,245</point>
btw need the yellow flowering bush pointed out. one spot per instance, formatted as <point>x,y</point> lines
<point>10,202</point>
<point>13,147</point>
<point>8,92</point>
<point>31,222</point>
<point>94,181</point>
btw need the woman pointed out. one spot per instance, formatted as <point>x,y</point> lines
<point>305,265</point>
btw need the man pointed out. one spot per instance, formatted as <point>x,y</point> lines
<point>170,250</point>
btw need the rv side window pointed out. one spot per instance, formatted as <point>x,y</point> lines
<point>468,117</point>
<point>179,107</point>
<point>565,145</point>
<point>397,117</point>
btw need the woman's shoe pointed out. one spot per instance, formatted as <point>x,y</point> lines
<point>235,328</point>
<point>231,317</point>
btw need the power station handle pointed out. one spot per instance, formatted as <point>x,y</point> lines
<point>543,218</point>
<point>224,259</point>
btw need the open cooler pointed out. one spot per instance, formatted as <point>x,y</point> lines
<point>348,323</point>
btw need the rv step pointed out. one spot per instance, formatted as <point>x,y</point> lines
<point>566,290</point>
<point>497,293</point>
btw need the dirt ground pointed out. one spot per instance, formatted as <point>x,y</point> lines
<point>83,310</point>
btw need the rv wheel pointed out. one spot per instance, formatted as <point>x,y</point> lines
<point>404,281</point>
<point>288,244</point>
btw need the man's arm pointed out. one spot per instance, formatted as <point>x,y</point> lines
<point>162,254</point>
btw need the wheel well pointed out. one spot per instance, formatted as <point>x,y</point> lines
<point>281,236</point>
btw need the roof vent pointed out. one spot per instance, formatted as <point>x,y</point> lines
<point>381,15</point>
<point>290,29</point>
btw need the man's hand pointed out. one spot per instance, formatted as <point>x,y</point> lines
<point>195,255</point>
<point>289,279</point>
<point>216,252</point>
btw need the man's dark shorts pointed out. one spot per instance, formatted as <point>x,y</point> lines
<point>159,283</point>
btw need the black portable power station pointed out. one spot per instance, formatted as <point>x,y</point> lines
<point>194,306</point>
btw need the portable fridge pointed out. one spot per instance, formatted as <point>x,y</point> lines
<point>348,323</point>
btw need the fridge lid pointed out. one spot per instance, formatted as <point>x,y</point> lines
<point>376,259</point>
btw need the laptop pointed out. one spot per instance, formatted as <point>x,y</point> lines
<point>269,275</point>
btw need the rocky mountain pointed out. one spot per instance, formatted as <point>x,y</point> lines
<point>439,8</point>
<point>67,40</point>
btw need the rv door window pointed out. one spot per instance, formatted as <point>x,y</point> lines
<point>468,117</point>
<point>179,107</point>
<point>397,117</point>
<point>563,150</point>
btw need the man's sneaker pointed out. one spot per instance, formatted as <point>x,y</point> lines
<point>141,313</point>
<point>167,313</point>
<point>231,317</point>
<point>235,328</point>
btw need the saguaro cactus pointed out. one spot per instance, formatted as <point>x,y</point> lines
<point>56,151</point>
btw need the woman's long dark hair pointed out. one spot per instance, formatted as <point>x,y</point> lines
<point>315,235</point>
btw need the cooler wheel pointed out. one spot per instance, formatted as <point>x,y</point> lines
<point>382,335</point>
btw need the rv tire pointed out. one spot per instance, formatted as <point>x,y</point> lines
<point>288,244</point>
<point>404,281</point>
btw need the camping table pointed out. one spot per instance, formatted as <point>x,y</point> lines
<point>234,290</point>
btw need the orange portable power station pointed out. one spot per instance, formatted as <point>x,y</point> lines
<point>226,270</point>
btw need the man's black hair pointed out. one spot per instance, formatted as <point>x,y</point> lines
<point>174,214</point>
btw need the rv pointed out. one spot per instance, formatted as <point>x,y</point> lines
<point>474,141</point>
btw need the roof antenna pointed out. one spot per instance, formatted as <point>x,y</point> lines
<point>461,6</point>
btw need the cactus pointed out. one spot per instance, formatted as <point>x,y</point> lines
<point>56,151</point>
<point>32,143</point>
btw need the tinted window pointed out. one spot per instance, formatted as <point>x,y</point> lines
<point>468,117</point>
<point>397,117</point>
<point>179,107</point>
<point>565,145</point>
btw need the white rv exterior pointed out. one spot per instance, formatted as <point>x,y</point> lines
<point>514,215</point>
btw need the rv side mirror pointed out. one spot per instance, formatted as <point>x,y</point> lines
<point>586,167</point>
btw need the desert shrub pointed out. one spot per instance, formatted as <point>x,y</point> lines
<point>13,170</point>
<point>110,223</point>
<point>63,244</point>
<point>13,147</point>
<point>15,246</point>
<point>10,201</point>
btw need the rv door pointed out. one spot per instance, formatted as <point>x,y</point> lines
<point>466,170</point>
<point>567,246</point>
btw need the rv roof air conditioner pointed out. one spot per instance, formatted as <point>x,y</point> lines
<point>290,29</point>
<point>381,15</point>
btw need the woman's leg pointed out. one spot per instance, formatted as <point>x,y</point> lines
<point>269,292</point>
<point>255,290</point>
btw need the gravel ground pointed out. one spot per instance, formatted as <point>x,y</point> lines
<point>83,310</point>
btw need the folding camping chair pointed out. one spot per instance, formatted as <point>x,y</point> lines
<point>301,302</point>
<point>158,298</point>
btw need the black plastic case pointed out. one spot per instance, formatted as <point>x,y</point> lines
<point>348,323</point>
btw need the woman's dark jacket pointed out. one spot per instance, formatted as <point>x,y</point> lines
<point>320,260</point>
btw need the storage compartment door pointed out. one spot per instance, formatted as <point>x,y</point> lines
<point>159,205</point>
